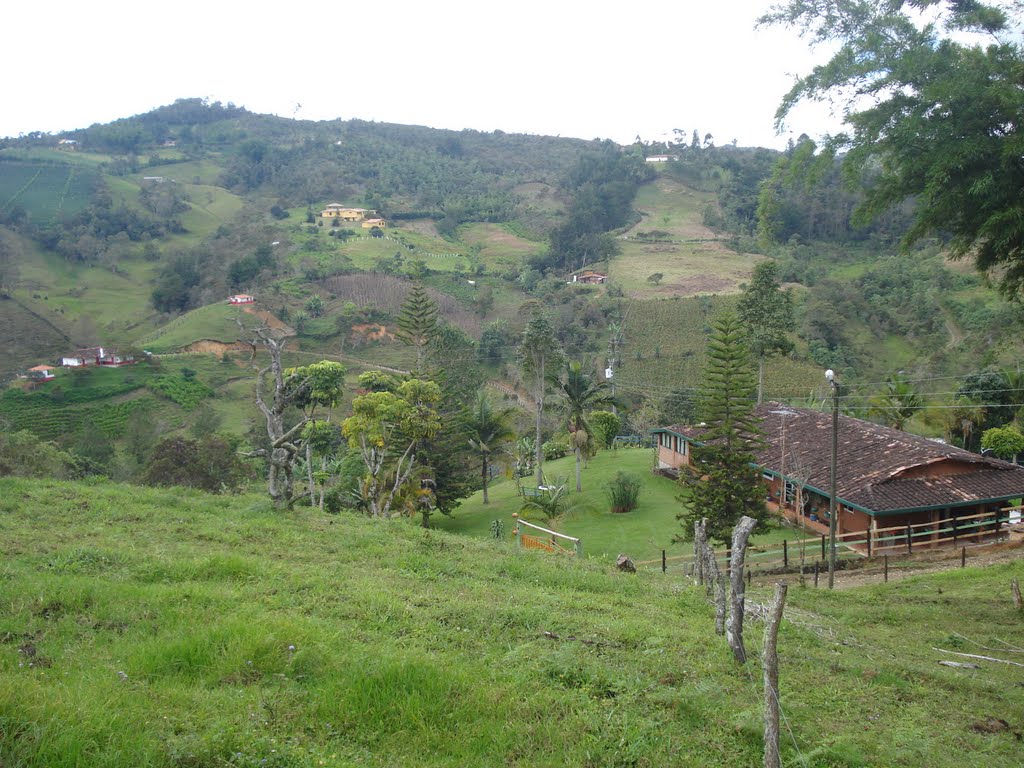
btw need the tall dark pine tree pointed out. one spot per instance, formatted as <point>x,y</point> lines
<point>725,484</point>
<point>767,312</point>
<point>417,322</point>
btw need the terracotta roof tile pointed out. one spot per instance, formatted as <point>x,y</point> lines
<point>878,468</point>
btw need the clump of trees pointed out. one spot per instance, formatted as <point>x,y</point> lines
<point>933,107</point>
<point>211,463</point>
<point>386,426</point>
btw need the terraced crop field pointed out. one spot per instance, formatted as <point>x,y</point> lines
<point>50,421</point>
<point>47,191</point>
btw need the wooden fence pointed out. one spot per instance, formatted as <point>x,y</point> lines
<point>860,545</point>
<point>532,536</point>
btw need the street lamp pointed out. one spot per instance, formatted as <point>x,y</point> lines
<point>830,376</point>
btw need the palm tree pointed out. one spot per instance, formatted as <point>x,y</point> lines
<point>551,505</point>
<point>1015,389</point>
<point>898,404</point>
<point>489,429</point>
<point>579,394</point>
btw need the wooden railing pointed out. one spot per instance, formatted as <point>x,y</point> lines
<point>538,537</point>
<point>867,544</point>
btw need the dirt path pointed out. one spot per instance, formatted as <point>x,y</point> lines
<point>956,335</point>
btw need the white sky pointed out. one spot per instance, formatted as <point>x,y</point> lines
<point>562,67</point>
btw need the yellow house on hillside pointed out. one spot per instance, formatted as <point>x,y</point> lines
<point>343,212</point>
<point>371,223</point>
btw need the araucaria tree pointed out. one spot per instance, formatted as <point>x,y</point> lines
<point>579,393</point>
<point>307,388</point>
<point>767,312</point>
<point>933,101</point>
<point>489,429</point>
<point>724,484</point>
<point>417,322</point>
<point>385,427</point>
<point>539,354</point>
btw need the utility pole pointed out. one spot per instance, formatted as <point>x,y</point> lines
<point>831,377</point>
<point>614,342</point>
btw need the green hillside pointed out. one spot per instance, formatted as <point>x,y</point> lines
<point>671,240</point>
<point>217,322</point>
<point>170,628</point>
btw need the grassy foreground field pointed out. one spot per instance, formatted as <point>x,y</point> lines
<point>170,628</point>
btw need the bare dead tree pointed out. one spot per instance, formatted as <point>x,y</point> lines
<point>740,536</point>
<point>283,448</point>
<point>711,574</point>
<point>770,658</point>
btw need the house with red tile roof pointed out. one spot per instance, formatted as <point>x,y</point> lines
<point>884,478</point>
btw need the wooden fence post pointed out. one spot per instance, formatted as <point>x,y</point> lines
<point>885,567</point>
<point>734,632</point>
<point>869,543</point>
<point>823,546</point>
<point>954,529</point>
<point>770,656</point>
<point>785,553</point>
<point>713,578</point>
<point>815,574</point>
<point>664,562</point>
<point>698,550</point>
<point>963,556</point>
<point>910,540</point>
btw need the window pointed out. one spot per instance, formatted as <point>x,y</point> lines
<point>790,492</point>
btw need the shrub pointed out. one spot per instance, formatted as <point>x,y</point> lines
<point>554,449</point>
<point>211,463</point>
<point>623,492</point>
<point>606,426</point>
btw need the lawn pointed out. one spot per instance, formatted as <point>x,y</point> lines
<point>164,628</point>
<point>642,534</point>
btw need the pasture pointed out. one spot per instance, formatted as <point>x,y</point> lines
<point>690,257</point>
<point>173,628</point>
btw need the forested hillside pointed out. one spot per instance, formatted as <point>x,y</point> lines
<point>132,235</point>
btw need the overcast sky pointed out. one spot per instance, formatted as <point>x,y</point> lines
<point>561,67</point>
